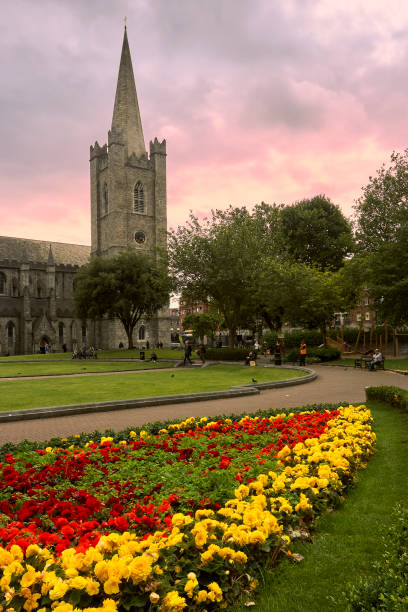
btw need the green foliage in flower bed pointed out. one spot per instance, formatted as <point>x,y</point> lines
<point>391,395</point>
<point>388,588</point>
<point>119,503</point>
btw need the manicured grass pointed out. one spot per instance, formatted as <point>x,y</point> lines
<point>35,368</point>
<point>20,394</point>
<point>114,354</point>
<point>390,363</point>
<point>348,541</point>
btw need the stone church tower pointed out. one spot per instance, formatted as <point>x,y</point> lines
<point>128,195</point>
<point>128,210</point>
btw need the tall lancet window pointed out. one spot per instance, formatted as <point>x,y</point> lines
<point>105,198</point>
<point>138,198</point>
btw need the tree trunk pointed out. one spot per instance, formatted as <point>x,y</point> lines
<point>324,334</point>
<point>129,333</point>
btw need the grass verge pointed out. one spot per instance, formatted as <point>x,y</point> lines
<point>22,394</point>
<point>114,354</point>
<point>348,541</point>
<point>55,368</point>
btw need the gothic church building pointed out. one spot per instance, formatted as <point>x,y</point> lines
<point>128,210</point>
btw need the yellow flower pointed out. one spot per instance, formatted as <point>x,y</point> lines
<point>79,582</point>
<point>154,598</point>
<point>173,602</point>
<point>140,568</point>
<point>58,591</point>
<point>63,607</point>
<point>215,592</point>
<point>201,596</point>
<point>241,492</point>
<point>33,549</point>
<point>111,586</point>
<point>257,537</point>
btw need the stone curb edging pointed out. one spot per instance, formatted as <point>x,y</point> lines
<point>235,391</point>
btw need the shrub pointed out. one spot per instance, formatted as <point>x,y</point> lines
<point>388,588</point>
<point>326,354</point>
<point>226,354</point>
<point>316,354</point>
<point>312,337</point>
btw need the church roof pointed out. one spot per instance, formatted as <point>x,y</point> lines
<point>38,251</point>
<point>126,115</point>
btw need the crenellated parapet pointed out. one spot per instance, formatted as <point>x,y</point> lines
<point>98,151</point>
<point>139,162</point>
<point>157,147</point>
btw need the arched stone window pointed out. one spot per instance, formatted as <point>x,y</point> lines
<point>105,199</point>
<point>142,332</point>
<point>138,198</point>
<point>83,333</point>
<point>61,333</point>
<point>10,333</point>
<point>3,282</point>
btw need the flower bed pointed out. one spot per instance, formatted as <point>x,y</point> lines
<point>182,518</point>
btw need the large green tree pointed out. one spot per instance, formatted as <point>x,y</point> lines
<point>388,278</point>
<point>382,208</point>
<point>307,296</point>
<point>127,287</point>
<point>316,233</point>
<point>217,260</point>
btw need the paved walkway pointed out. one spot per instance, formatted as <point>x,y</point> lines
<point>333,384</point>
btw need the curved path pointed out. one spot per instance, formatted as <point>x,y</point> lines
<point>333,384</point>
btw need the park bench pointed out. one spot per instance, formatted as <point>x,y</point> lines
<point>362,362</point>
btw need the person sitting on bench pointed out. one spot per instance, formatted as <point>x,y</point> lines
<point>377,358</point>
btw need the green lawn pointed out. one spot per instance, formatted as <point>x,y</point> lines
<point>114,354</point>
<point>20,394</point>
<point>77,366</point>
<point>348,541</point>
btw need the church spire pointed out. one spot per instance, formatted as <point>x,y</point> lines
<point>126,115</point>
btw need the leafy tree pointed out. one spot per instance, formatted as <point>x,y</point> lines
<point>383,208</point>
<point>316,233</point>
<point>307,296</point>
<point>203,324</point>
<point>127,287</point>
<point>217,260</point>
<point>388,279</point>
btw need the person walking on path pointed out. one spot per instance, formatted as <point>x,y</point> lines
<point>187,353</point>
<point>201,352</point>
<point>303,353</point>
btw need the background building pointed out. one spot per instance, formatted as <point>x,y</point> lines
<point>128,210</point>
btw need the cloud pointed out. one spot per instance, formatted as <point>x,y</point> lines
<point>257,100</point>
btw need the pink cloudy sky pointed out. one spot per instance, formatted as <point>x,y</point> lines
<point>258,100</point>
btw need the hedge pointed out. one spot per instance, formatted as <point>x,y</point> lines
<point>317,354</point>
<point>391,395</point>
<point>226,354</point>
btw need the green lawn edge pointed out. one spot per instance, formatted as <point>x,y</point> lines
<point>347,541</point>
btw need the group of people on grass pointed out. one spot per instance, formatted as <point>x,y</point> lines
<point>85,352</point>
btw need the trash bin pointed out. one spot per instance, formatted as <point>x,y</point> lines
<point>278,359</point>
<point>142,355</point>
